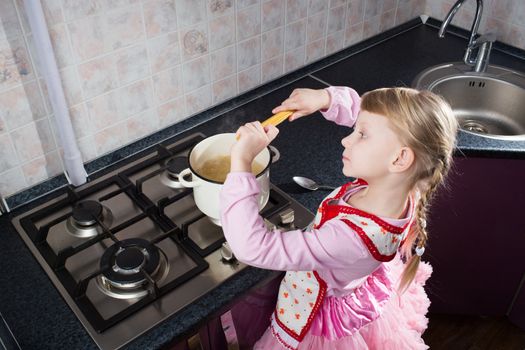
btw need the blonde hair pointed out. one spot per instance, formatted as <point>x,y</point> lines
<point>426,124</point>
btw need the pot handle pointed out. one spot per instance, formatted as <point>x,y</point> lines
<point>274,153</point>
<point>186,183</point>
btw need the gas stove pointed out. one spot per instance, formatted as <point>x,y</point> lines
<point>130,249</point>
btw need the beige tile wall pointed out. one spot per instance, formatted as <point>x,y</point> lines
<point>506,18</point>
<point>131,67</point>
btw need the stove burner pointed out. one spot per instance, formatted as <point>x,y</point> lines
<point>126,266</point>
<point>130,260</point>
<point>170,177</point>
<point>85,213</point>
<point>83,220</point>
<point>175,165</point>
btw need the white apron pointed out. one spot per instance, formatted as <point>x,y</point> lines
<point>302,292</point>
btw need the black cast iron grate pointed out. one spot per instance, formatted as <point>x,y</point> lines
<point>77,290</point>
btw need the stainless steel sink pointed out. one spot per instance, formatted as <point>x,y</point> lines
<point>490,104</point>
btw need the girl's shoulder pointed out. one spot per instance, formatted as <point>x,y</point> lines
<point>346,189</point>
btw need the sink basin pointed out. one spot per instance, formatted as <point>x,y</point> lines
<point>491,104</point>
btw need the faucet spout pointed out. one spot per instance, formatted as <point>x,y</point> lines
<point>448,18</point>
<point>475,24</point>
<point>473,43</point>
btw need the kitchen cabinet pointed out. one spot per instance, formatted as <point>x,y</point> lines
<point>476,237</point>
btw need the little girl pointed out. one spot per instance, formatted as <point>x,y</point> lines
<point>346,286</point>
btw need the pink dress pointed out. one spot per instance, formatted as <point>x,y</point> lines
<point>360,307</point>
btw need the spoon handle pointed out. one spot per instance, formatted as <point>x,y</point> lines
<point>277,119</point>
<point>325,187</point>
<point>274,120</point>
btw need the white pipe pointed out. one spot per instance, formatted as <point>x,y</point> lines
<point>73,164</point>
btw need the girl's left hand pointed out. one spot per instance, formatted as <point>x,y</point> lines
<point>252,139</point>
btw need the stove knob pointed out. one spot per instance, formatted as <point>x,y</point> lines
<point>269,225</point>
<point>287,216</point>
<point>226,253</point>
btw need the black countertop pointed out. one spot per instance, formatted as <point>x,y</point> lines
<point>33,308</point>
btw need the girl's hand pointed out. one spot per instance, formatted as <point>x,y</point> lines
<point>304,102</point>
<point>253,138</point>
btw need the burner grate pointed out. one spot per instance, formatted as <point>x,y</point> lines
<point>77,289</point>
<point>214,235</point>
<point>204,245</point>
<point>163,156</point>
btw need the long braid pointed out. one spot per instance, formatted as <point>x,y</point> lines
<point>419,237</point>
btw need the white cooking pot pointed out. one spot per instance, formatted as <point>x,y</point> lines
<point>206,191</point>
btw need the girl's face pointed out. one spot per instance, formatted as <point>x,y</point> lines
<point>371,149</point>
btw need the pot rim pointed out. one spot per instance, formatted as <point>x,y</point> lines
<point>222,183</point>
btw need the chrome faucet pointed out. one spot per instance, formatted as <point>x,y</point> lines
<point>482,42</point>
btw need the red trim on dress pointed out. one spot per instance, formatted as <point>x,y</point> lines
<point>368,242</point>
<point>313,312</point>
<point>396,230</point>
<point>284,328</point>
<point>325,206</point>
<point>351,210</point>
<point>335,209</point>
<point>279,339</point>
<point>318,302</point>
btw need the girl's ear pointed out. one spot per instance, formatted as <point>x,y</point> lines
<point>405,157</point>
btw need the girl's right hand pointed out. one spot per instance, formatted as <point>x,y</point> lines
<point>304,102</point>
<point>253,138</point>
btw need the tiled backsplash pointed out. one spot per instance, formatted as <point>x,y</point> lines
<point>131,67</point>
<point>506,18</point>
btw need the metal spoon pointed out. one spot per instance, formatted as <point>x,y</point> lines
<point>310,184</point>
